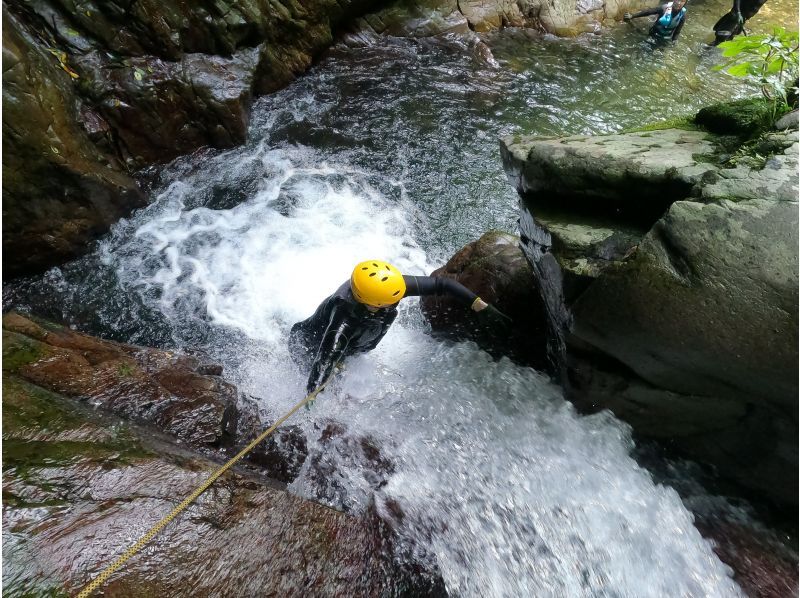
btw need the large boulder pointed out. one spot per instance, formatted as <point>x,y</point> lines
<point>81,485</point>
<point>642,173</point>
<point>598,195</point>
<point>636,176</point>
<point>716,285</point>
<point>680,254</point>
<point>707,309</point>
<point>494,267</point>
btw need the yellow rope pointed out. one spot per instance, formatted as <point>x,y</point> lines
<point>109,571</point>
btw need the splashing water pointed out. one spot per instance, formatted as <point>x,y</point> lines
<point>262,262</point>
<point>493,475</point>
<point>496,477</point>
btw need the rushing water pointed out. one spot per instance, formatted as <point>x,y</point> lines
<point>391,151</point>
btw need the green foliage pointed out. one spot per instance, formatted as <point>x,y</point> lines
<point>771,60</point>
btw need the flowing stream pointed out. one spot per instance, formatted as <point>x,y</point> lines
<point>391,151</point>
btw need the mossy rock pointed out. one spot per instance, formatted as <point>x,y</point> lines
<point>685,123</point>
<point>743,118</point>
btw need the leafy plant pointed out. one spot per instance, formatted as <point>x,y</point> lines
<point>770,59</point>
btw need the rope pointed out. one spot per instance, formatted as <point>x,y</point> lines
<point>98,581</point>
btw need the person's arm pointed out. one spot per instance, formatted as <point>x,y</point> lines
<point>417,286</point>
<point>642,13</point>
<point>331,349</point>
<point>677,31</point>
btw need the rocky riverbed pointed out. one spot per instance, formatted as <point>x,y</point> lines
<point>93,93</point>
<point>477,463</point>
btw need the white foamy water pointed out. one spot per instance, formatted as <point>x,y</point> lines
<point>265,261</point>
<point>496,477</point>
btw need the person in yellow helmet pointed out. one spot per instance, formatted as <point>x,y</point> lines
<point>359,313</point>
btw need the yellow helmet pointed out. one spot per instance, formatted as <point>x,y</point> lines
<point>377,284</point>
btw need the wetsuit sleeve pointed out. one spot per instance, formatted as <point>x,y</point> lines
<point>332,348</point>
<point>647,12</point>
<point>438,285</point>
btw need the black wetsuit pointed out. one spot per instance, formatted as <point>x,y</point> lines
<point>342,326</point>
<point>664,28</point>
<point>732,24</point>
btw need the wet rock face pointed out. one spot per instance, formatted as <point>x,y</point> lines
<point>79,485</point>
<point>762,567</point>
<point>337,445</point>
<point>164,388</point>
<point>707,307</point>
<point>684,310</point>
<point>94,91</point>
<point>170,77</point>
<point>494,267</point>
<point>282,454</point>
<point>59,190</point>
<point>159,109</point>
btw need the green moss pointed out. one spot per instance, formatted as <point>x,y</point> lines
<point>125,370</point>
<point>24,454</point>
<point>742,118</point>
<point>42,323</point>
<point>709,158</point>
<point>27,407</point>
<point>685,123</point>
<point>19,350</point>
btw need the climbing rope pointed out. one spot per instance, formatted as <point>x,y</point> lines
<point>125,556</point>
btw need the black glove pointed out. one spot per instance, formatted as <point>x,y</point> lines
<point>494,316</point>
<point>496,313</point>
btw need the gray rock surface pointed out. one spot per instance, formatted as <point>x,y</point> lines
<point>655,167</point>
<point>716,287</point>
<point>788,121</point>
<point>585,247</point>
<point>652,166</point>
<point>690,332</point>
<point>776,179</point>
